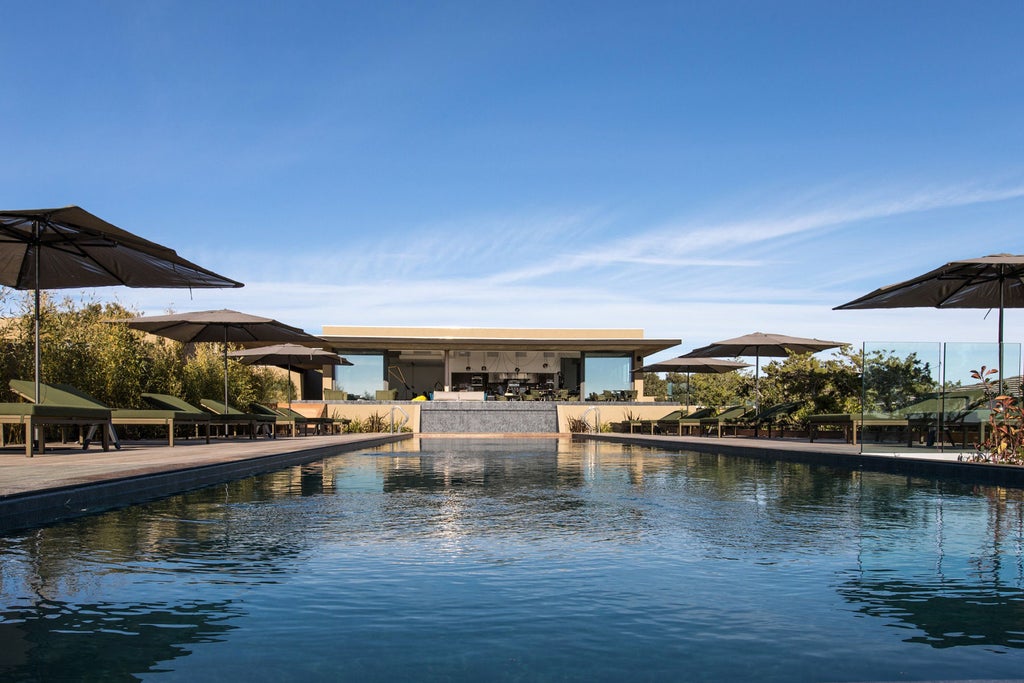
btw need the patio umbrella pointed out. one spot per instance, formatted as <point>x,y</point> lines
<point>694,365</point>
<point>220,326</point>
<point>69,247</point>
<point>288,356</point>
<point>759,344</point>
<point>995,281</point>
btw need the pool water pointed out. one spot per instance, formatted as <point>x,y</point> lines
<point>524,560</point>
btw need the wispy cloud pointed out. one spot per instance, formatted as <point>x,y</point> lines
<point>683,243</point>
<point>698,281</point>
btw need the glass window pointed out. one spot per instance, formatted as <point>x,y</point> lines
<point>606,373</point>
<point>363,378</point>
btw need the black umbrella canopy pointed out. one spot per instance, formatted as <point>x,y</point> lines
<point>995,281</point>
<point>224,326</point>
<point>764,344</point>
<point>698,365</point>
<point>759,344</point>
<point>987,282</point>
<point>69,247</point>
<point>288,356</point>
<point>694,365</point>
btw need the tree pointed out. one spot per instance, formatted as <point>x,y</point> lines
<point>891,381</point>
<point>729,388</point>
<point>829,385</point>
<point>655,386</point>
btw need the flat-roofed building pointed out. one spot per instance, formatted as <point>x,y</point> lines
<point>405,362</point>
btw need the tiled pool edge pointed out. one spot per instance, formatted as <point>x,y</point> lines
<point>826,454</point>
<point>39,508</point>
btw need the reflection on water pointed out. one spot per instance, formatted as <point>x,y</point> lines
<point>942,614</point>
<point>966,585</point>
<point>55,641</point>
<point>470,560</point>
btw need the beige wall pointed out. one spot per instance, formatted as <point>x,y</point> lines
<point>609,413</point>
<point>361,411</point>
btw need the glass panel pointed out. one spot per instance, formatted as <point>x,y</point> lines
<point>363,378</point>
<point>966,409</point>
<point>901,397</point>
<point>606,377</point>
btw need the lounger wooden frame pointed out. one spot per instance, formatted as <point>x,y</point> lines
<point>34,418</point>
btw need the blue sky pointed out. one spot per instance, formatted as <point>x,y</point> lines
<point>699,170</point>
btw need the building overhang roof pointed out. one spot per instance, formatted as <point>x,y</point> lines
<point>558,340</point>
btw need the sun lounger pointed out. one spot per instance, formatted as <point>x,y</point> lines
<point>320,423</point>
<point>934,418</point>
<point>169,402</point>
<point>67,395</point>
<point>36,417</point>
<point>767,419</point>
<point>293,420</point>
<point>853,425</point>
<point>969,428</point>
<point>228,417</point>
<point>77,409</point>
<point>688,422</point>
<point>290,424</point>
<point>923,419</point>
<point>672,423</point>
<point>714,424</point>
<point>647,426</point>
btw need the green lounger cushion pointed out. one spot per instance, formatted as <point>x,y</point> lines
<point>222,411</point>
<point>169,402</point>
<point>259,409</point>
<point>124,414</point>
<point>62,396</point>
<point>53,411</point>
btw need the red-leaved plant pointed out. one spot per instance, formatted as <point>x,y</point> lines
<point>1004,443</point>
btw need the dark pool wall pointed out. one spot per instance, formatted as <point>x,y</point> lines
<point>489,417</point>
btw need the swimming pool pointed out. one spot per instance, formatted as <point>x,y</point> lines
<point>527,559</point>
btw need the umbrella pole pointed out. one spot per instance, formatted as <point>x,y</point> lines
<point>757,383</point>
<point>226,405</point>
<point>38,355</point>
<point>1002,280</point>
<point>289,386</point>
